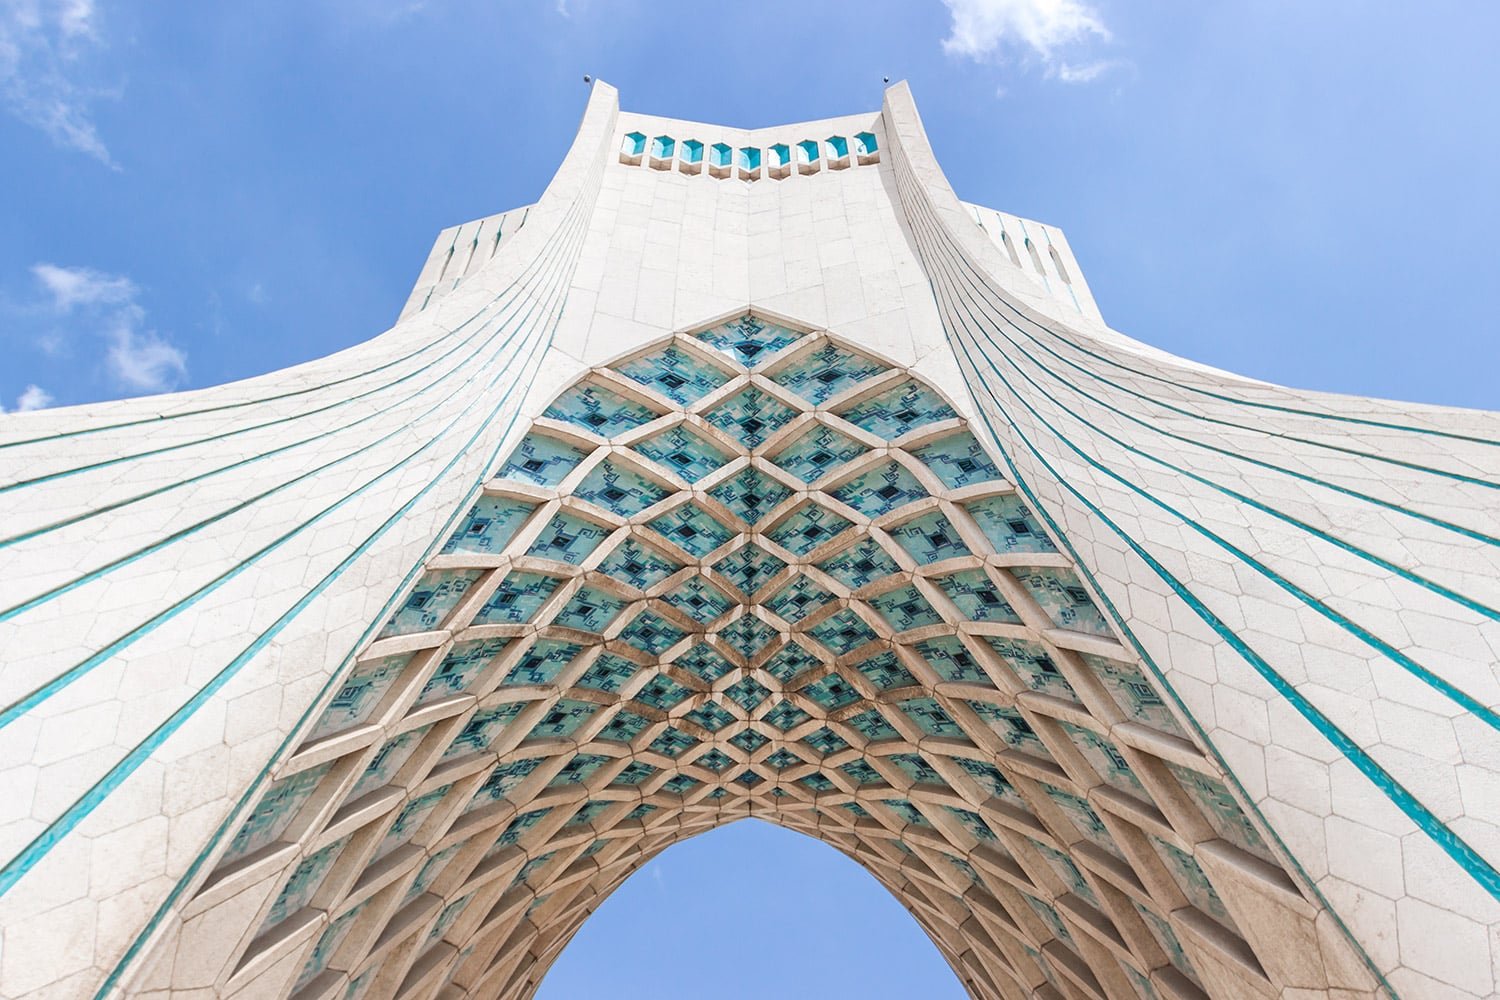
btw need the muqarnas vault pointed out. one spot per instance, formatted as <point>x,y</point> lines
<point>750,474</point>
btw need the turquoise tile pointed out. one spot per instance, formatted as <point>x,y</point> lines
<point>881,490</point>
<point>817,452</point>
<point>899,411</point>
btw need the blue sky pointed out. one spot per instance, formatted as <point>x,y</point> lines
<point>194,193</point>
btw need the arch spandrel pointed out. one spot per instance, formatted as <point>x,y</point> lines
<point>749,569</point>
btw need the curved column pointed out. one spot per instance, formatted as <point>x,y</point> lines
<point>185,574</point>
<point>1312,576</point>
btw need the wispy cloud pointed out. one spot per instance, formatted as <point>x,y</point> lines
<point>138,359</point>
<point>33,397</point>
<point>1052,33</point>
<point>42,44</point>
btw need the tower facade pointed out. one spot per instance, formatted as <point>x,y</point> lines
<point>750,474</point>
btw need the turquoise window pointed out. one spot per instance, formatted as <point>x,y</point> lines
<point>692,151</point>
<point>663,146</point>
<point>865,143</point>
<point>634,144</point>
<point>807,151</point>
<point>781,155</point>
<point>838,146</point>
<point>749,158</point>
<point>719,154</point>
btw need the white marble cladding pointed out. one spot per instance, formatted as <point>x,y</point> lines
<point>184,578</point>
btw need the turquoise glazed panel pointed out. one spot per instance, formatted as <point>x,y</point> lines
<point>825,741</point>
<point>519,826</point>
<point>503,780</point>
<point>563,719</point>
<point>599,410</point>
<point>873,726</point>
<point>817,452</point>
<point>387,761</point>
<point>302,884</point>
<point>809,527</point>
<point>651,633</point>
<point>517,599</point>
<point>274,813</point>
<point>747,636</point>
<point>492,522</point>
<point>843,632</point>
<point>711,716</point>
<point>916,768</point>
<point>908,813</point>
<point>1050,918</point>
<point>568,539</point>
<point>825,372</point>
<point>831,693</point>
<point>1105,758</point>
<point>930,717</point>
<point>623,727</point>
<point>410,820</point>
<point>675,374</point>
<point>1010,525</point>
<point>464,662</point>
<point>429,603</point>
<point>1169,943</point>
<point>746,693</point>
<point>1135,695</point>
<point>958,460</point>
<point>799,599</point>
<point>637,565</point>
<point>1222,811</point>
<point>750,417</point>
<point>1191,880</point>
<point>483,727</point>
<point>360,694</point>
<point>1067,871</point>
<point>1033,665</point>
<point>691,528</point>
<point>788,662</point>
<point>542,461</point>
<point>973,822</point>
<point>786,716</point>
<point>1083,817</point>
<point>977,598</point>
<point>662,693</point>
<point>990,778</point>
<point>929,539</point>
<point>881,490</point>
<point>608,673</point>
<point>1064,600</point>
<point>543,662</point>
<point>590,610</point>
<point>749,740</point>
<point>904,608</point>
<point>702,662</point>
<point>699,600</point>
<point>328,943</point>
<point>672,742</point>
<point>450,913</point>
<point>619,490</point>
<point>683,452</point>
<point>899,411</point>
<point>860,564</point>
<point>1011,727</point>
<point>750,495</point>
<point>885,671</point>
<point>952,661</point>
<point>749,568</point>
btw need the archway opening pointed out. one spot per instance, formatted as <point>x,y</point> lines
<point>748,911</point>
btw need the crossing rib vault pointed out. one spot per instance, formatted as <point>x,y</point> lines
<point>749,474</point>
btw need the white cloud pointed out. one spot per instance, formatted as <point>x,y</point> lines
<point>1033,30</point>
<point>137,359</point>
<point>33,397</point>
<point>42,43</point>
<point>82,286</point>
<point>141,360</point>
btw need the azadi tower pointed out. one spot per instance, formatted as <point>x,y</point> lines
<point>750,474</point>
